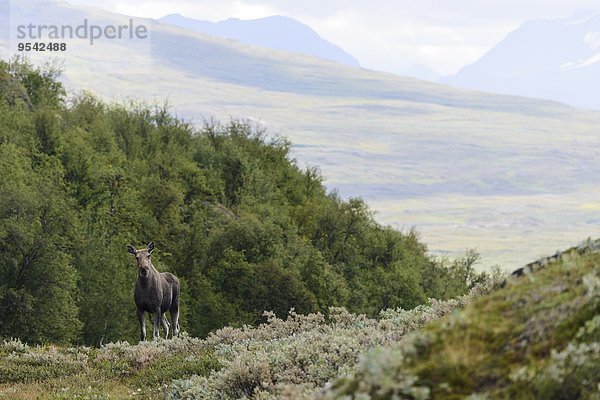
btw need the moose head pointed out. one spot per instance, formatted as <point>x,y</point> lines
<point>143,259</point>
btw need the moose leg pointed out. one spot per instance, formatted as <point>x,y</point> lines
<point>165,325</point>
<point>157,320</point>
<point>142,319</point>
<point>175,320</point>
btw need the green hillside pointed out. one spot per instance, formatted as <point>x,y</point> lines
<point>232,215</point>
<point>468,169</point>
<point>538,338</point>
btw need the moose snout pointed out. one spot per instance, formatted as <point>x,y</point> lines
<point>144,272</point>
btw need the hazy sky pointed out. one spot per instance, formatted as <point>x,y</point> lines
<point>386,35</point>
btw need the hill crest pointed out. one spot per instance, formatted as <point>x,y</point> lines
<point>275,32</point>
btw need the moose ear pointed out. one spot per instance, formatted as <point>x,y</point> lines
<point>131,249</point>
<point>150,247</point>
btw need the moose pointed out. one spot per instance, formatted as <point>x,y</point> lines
<point>155,293</point>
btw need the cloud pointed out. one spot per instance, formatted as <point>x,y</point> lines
<point>592,40</point>
<point>211,10</point>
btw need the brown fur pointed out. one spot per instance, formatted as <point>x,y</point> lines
<point>155,293</point>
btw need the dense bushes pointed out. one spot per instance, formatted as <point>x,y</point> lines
<point>232,215</point>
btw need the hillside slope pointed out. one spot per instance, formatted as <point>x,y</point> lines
<point>536,338</point>
<point>242,226</point>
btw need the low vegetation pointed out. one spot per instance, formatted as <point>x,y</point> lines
<point>290,358</point>
<point>116,370</point>
<point>536,338</point>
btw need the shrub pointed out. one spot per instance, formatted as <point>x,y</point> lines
<point>295,357</point>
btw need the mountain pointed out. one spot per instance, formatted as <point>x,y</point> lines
<point>467,169</point>
<point>550,59</point>
<point>275,32</point>
<point>423,72</point>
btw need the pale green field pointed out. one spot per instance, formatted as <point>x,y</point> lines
<point>514,178</point>
<point>508,230</point>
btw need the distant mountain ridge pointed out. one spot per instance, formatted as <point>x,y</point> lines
<point>275,32</point>
<point>550,59</point>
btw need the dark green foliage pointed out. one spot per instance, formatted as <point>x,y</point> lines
<point>445,279</point>
<point>21,82</point>
<point>232,215</point>
<point>37,228</point>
